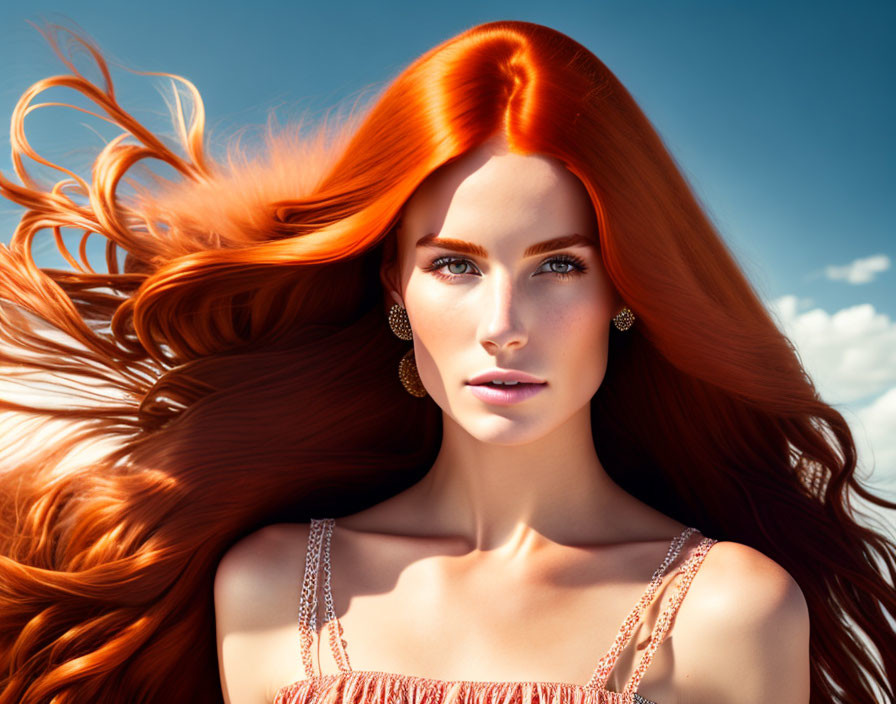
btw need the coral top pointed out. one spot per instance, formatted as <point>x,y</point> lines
<point>372,687</point>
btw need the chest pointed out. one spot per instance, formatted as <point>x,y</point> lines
<point>416,610</point>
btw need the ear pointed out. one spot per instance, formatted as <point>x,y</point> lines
<point>391,287</point>
<point>617,303</point>
<point>390,269</point>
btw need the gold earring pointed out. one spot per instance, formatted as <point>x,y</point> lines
<point>407,367</point>
<point>400,323</point>
<point>624,319</point>
<point>410,378</point>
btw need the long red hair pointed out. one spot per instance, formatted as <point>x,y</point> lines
<point>238,364</point>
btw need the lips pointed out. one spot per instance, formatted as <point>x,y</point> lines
<point>504,375</point>
<point>499,395</point>
<point>505,386</point>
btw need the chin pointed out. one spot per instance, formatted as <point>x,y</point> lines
<point>506,425</point>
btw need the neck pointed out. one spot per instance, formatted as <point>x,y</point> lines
<point>516,498</point>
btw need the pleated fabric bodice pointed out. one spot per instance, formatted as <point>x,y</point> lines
<point>350,686</point>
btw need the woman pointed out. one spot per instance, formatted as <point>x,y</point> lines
<point>506,207</point>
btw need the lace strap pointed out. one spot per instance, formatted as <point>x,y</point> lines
<point>688,571</point>
<point>319,533</point>
<point>626,630</point>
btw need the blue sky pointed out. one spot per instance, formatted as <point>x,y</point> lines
<point>780,115</point>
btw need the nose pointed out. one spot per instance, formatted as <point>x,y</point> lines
<point>501,326</point>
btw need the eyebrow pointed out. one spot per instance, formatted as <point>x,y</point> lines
<point>572,240</point>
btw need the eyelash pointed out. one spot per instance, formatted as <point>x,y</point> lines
<point>579,266</point>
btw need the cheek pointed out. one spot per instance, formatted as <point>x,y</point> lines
<point>444,317</point>
<point>576,337</point>
<point>439,315</point>
<point>444,326</point>
<point>579,329</point>
<point>584,307</point>
<point>568,324</point>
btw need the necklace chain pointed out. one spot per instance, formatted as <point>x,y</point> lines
<point>606,663</point>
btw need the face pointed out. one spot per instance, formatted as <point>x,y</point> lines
<point>497,305</point>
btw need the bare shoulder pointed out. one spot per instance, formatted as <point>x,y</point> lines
<point>744,633</point>
<point>257,583</point>
<point>257,555</point>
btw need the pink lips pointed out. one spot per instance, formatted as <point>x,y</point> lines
<point>504,396</point>
<point>496,374</point>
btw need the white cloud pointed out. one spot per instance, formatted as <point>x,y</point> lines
<point>860,271</point>
<point>874,427</point>
<point>850,356</point>
<point>874,430</point>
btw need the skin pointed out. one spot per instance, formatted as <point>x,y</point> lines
<point>507,477</point>
<point>516,557</point>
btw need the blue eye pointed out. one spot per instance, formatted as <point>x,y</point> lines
<point>578,266</point>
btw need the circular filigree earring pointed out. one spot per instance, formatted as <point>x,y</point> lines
<point>399,322</point>
<point>407,367</point>
<point>624,319</point>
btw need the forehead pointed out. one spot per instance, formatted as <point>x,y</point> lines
<point>492,193</point>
